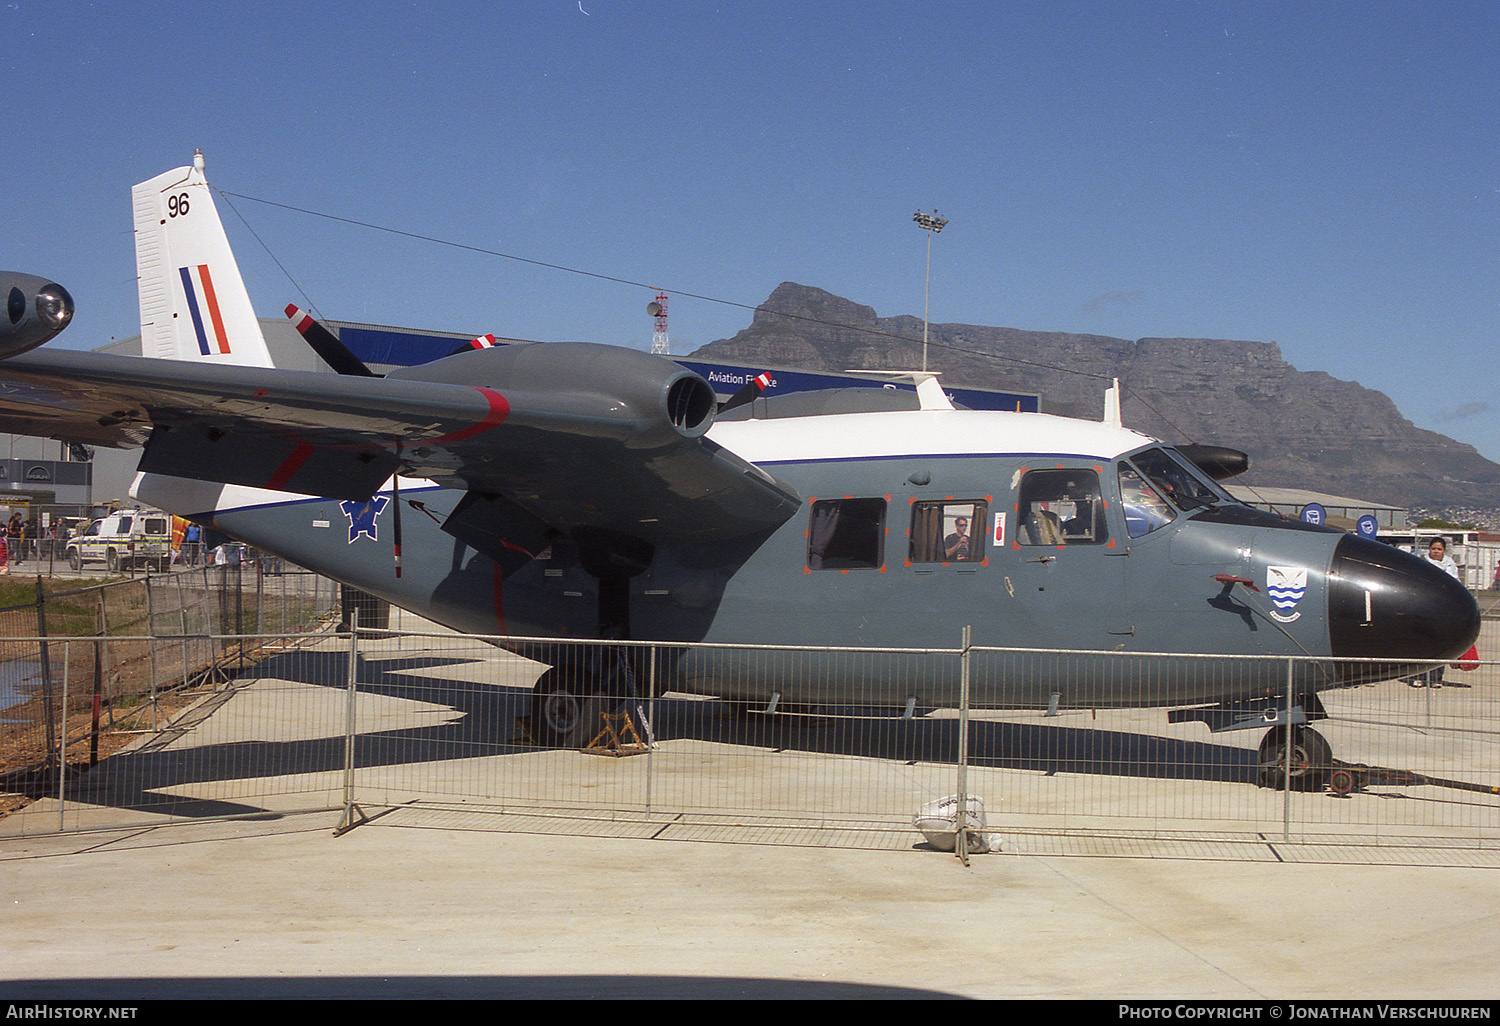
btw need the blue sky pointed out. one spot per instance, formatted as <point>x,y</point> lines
<point>1325,175</point>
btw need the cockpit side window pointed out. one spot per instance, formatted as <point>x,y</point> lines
<point>1060,507</point>
<point>1145,509</point>
<point>948,532</point>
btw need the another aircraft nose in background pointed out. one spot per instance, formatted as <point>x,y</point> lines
<point>1386,603</point>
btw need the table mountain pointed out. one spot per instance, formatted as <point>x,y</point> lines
<point>1302,429</point>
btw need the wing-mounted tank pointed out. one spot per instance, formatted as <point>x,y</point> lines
<point>36,309</point>
<point>1217,461</point>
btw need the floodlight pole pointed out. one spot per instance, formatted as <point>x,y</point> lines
<point>932,224</point>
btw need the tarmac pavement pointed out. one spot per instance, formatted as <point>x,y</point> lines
<point>406,906</point>
<point>285,909</point>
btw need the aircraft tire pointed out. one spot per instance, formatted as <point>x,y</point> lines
<point>563,714</point>
<point>1312,759</point>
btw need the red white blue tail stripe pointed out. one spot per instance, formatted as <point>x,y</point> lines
<point>202,301</point>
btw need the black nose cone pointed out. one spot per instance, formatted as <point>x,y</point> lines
<point>1385,603</point>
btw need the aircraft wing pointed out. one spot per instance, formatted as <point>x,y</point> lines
<point>576,435</point>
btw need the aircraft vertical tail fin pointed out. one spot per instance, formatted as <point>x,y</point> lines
<point>193,302</point>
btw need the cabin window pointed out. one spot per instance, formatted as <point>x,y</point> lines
<point>1145,509</point>
<point>948,532</point>
<point>846,534</point>
<point>1060,507</point>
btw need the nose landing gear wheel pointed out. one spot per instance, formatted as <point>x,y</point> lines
<point>1312,759</point>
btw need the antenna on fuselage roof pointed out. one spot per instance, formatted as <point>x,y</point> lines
<point>930,394</point>
<point>1112,405</point>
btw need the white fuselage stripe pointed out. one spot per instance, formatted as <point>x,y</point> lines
<point>839,438</point>
<point>924,433</point>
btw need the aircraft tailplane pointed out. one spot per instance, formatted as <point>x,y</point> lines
<point>193,302</point>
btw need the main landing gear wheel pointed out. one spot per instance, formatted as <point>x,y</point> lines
<point>1312,759</point>
<point>565,713</point>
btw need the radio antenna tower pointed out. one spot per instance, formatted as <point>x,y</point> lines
<point>658,309</point>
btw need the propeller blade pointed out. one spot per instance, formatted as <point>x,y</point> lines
<point>752,390</point>
<point>482,342</point>
<point>326,344</point>
<point>396,498</point>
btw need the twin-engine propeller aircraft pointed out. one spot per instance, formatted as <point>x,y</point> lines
<point>591,492</point>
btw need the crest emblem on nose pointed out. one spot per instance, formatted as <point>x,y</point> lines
<point>1286,585</point>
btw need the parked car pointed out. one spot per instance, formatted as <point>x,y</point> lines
<point>124,540</point>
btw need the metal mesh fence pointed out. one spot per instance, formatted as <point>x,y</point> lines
<point>827,740</point>
<point>87,673</point>
<point>1388,763</point>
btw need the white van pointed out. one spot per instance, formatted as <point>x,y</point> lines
<point>124,540</point>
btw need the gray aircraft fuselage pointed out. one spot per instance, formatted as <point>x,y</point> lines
<point>1197,584</point>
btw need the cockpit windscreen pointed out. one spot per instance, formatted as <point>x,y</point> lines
<point>1178,480</point>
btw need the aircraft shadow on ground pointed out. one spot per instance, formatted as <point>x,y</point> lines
<point>368,988</point>
<point>485,724</point>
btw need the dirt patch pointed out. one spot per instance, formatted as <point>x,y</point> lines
<point>127,711</point>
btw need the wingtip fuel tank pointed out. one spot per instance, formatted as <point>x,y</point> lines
<point>36,309</point>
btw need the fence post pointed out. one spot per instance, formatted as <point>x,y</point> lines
<point>182,625</point>
<point>103,624</point>
<point>151,644</point>
<point>962,836</point>
<point>62,748</point>
<point>348,821</point>
<point>239,611</point>
<point>651,717</point>
<point>41,630</point>
<point>1286,753</point>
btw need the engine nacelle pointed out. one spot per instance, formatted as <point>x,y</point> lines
<point>35,310</point>
<point>637,398</point>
